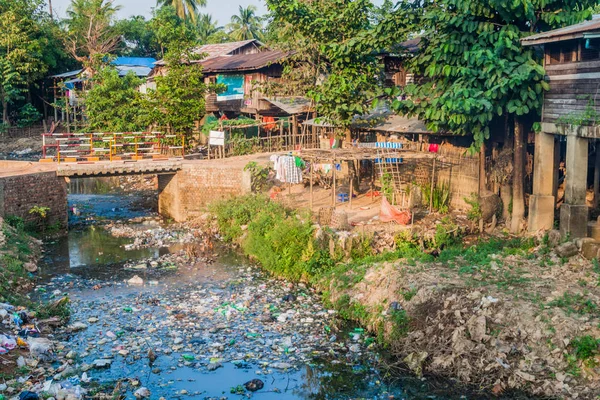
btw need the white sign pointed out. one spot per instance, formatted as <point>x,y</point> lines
<point>216,138</point>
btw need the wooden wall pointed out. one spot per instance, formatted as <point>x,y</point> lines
<point>574,88</point>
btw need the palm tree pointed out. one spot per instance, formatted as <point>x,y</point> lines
<point>245,26</point>
<point>207,28</point>
<point>186,9</point>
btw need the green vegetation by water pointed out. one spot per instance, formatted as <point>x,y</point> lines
<point>16,252</point>
<point>287,244</point>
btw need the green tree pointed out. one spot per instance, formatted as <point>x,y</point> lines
<point>114,103</point>
<point>179,98</point>
<point>475,72</point>
<point>139,39</point>
<point>22,45</point>
<point>330,58</point>
<point>172,31</point>
<point>185,9</point>
<point>246,25</point>
<point>209,31</point>
<point>92,33</point>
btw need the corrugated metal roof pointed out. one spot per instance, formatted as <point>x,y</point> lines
<point>135,61</point>
<point>67,74</point>
<point>223,49</point>
<point>219,49</point>
<point>138,70</point>
<point>567,33</point>
<point>383,123</point>
<point>242,62</point>
<point>291,105</point>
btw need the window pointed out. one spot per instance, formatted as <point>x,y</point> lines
<point>553,54</point>
<point>590,50</point>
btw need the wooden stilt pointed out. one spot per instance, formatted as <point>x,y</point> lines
<point>311,185</point>
<point>333,184</point>
<point>432,186</point>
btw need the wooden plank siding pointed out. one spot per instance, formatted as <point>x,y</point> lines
<point>253,102</point>
<point>569,96</point>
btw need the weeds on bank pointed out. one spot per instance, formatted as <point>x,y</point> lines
<point>15,252</point>
<point>584,349</point>
<point>575,304</point>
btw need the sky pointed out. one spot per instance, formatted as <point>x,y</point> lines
<point>221,10</point>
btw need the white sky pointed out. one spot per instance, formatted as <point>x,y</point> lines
<point>221,10</point>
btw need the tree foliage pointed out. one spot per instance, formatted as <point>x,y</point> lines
<point>91,31</point>
<point>138,37</point>
<point>114,103</point>
<point>330,60</point>
<point>208,31</point>
<point>185,9</point>
<point>472,66</point>
<point>22,49</point>
<point>245,25</point>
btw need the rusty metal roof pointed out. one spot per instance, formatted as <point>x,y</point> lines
<point>223,49</point>
<point>567,33</point>
<point>220,49</point>
<point>242,62</point>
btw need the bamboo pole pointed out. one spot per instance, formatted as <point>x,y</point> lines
<point>311,184</point>
<point>333,183</point>
<point>432,186</point>
<point>350,194</point>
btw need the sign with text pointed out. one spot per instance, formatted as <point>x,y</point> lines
<point>234,87</point>
<point>216,138</point>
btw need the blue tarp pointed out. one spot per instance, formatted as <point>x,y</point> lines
<point>135,61</point>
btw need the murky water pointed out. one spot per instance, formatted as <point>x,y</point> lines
<point>203,315</point>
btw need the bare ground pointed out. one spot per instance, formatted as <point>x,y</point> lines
<point>506,323</point>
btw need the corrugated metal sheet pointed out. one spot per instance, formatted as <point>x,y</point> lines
<point>242,62</point>
<point>223,49</point>
<point>67,74</point>
<point>567,33</point>
<point>138,70</point>
<point>291,105</point>
<point>220,49</point>
<point>382,123</point>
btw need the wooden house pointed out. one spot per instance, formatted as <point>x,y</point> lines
<point>570,114</point>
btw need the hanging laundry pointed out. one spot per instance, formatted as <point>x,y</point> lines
<point>278,167</point>
<point>293,174</point>
<point>299,162</point>
<point>270,123</point>
<point>286,168</point>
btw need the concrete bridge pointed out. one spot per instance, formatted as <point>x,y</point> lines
<point>185,187</point>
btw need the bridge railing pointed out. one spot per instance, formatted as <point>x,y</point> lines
<point>111,146</point>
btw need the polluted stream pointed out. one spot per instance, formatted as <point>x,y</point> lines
<point>154,322</point>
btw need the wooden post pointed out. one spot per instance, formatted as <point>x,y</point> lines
<point>333,183</point>
<point>311,184</point>
<point>294,131</point>
<point>372,182</point>
<point>482,169</point>
<point>68,122</point>
<point>350,194</point>
<point>432,186</point>
<point>597,175</point>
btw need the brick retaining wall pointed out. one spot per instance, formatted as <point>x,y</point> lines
<point>19,193</point>
<point>186,194</point>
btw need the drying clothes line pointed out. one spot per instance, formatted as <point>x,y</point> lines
<point>288,168</point>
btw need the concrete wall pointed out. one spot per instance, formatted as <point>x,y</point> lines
<point>185,194</point>
<point>20,192</point>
